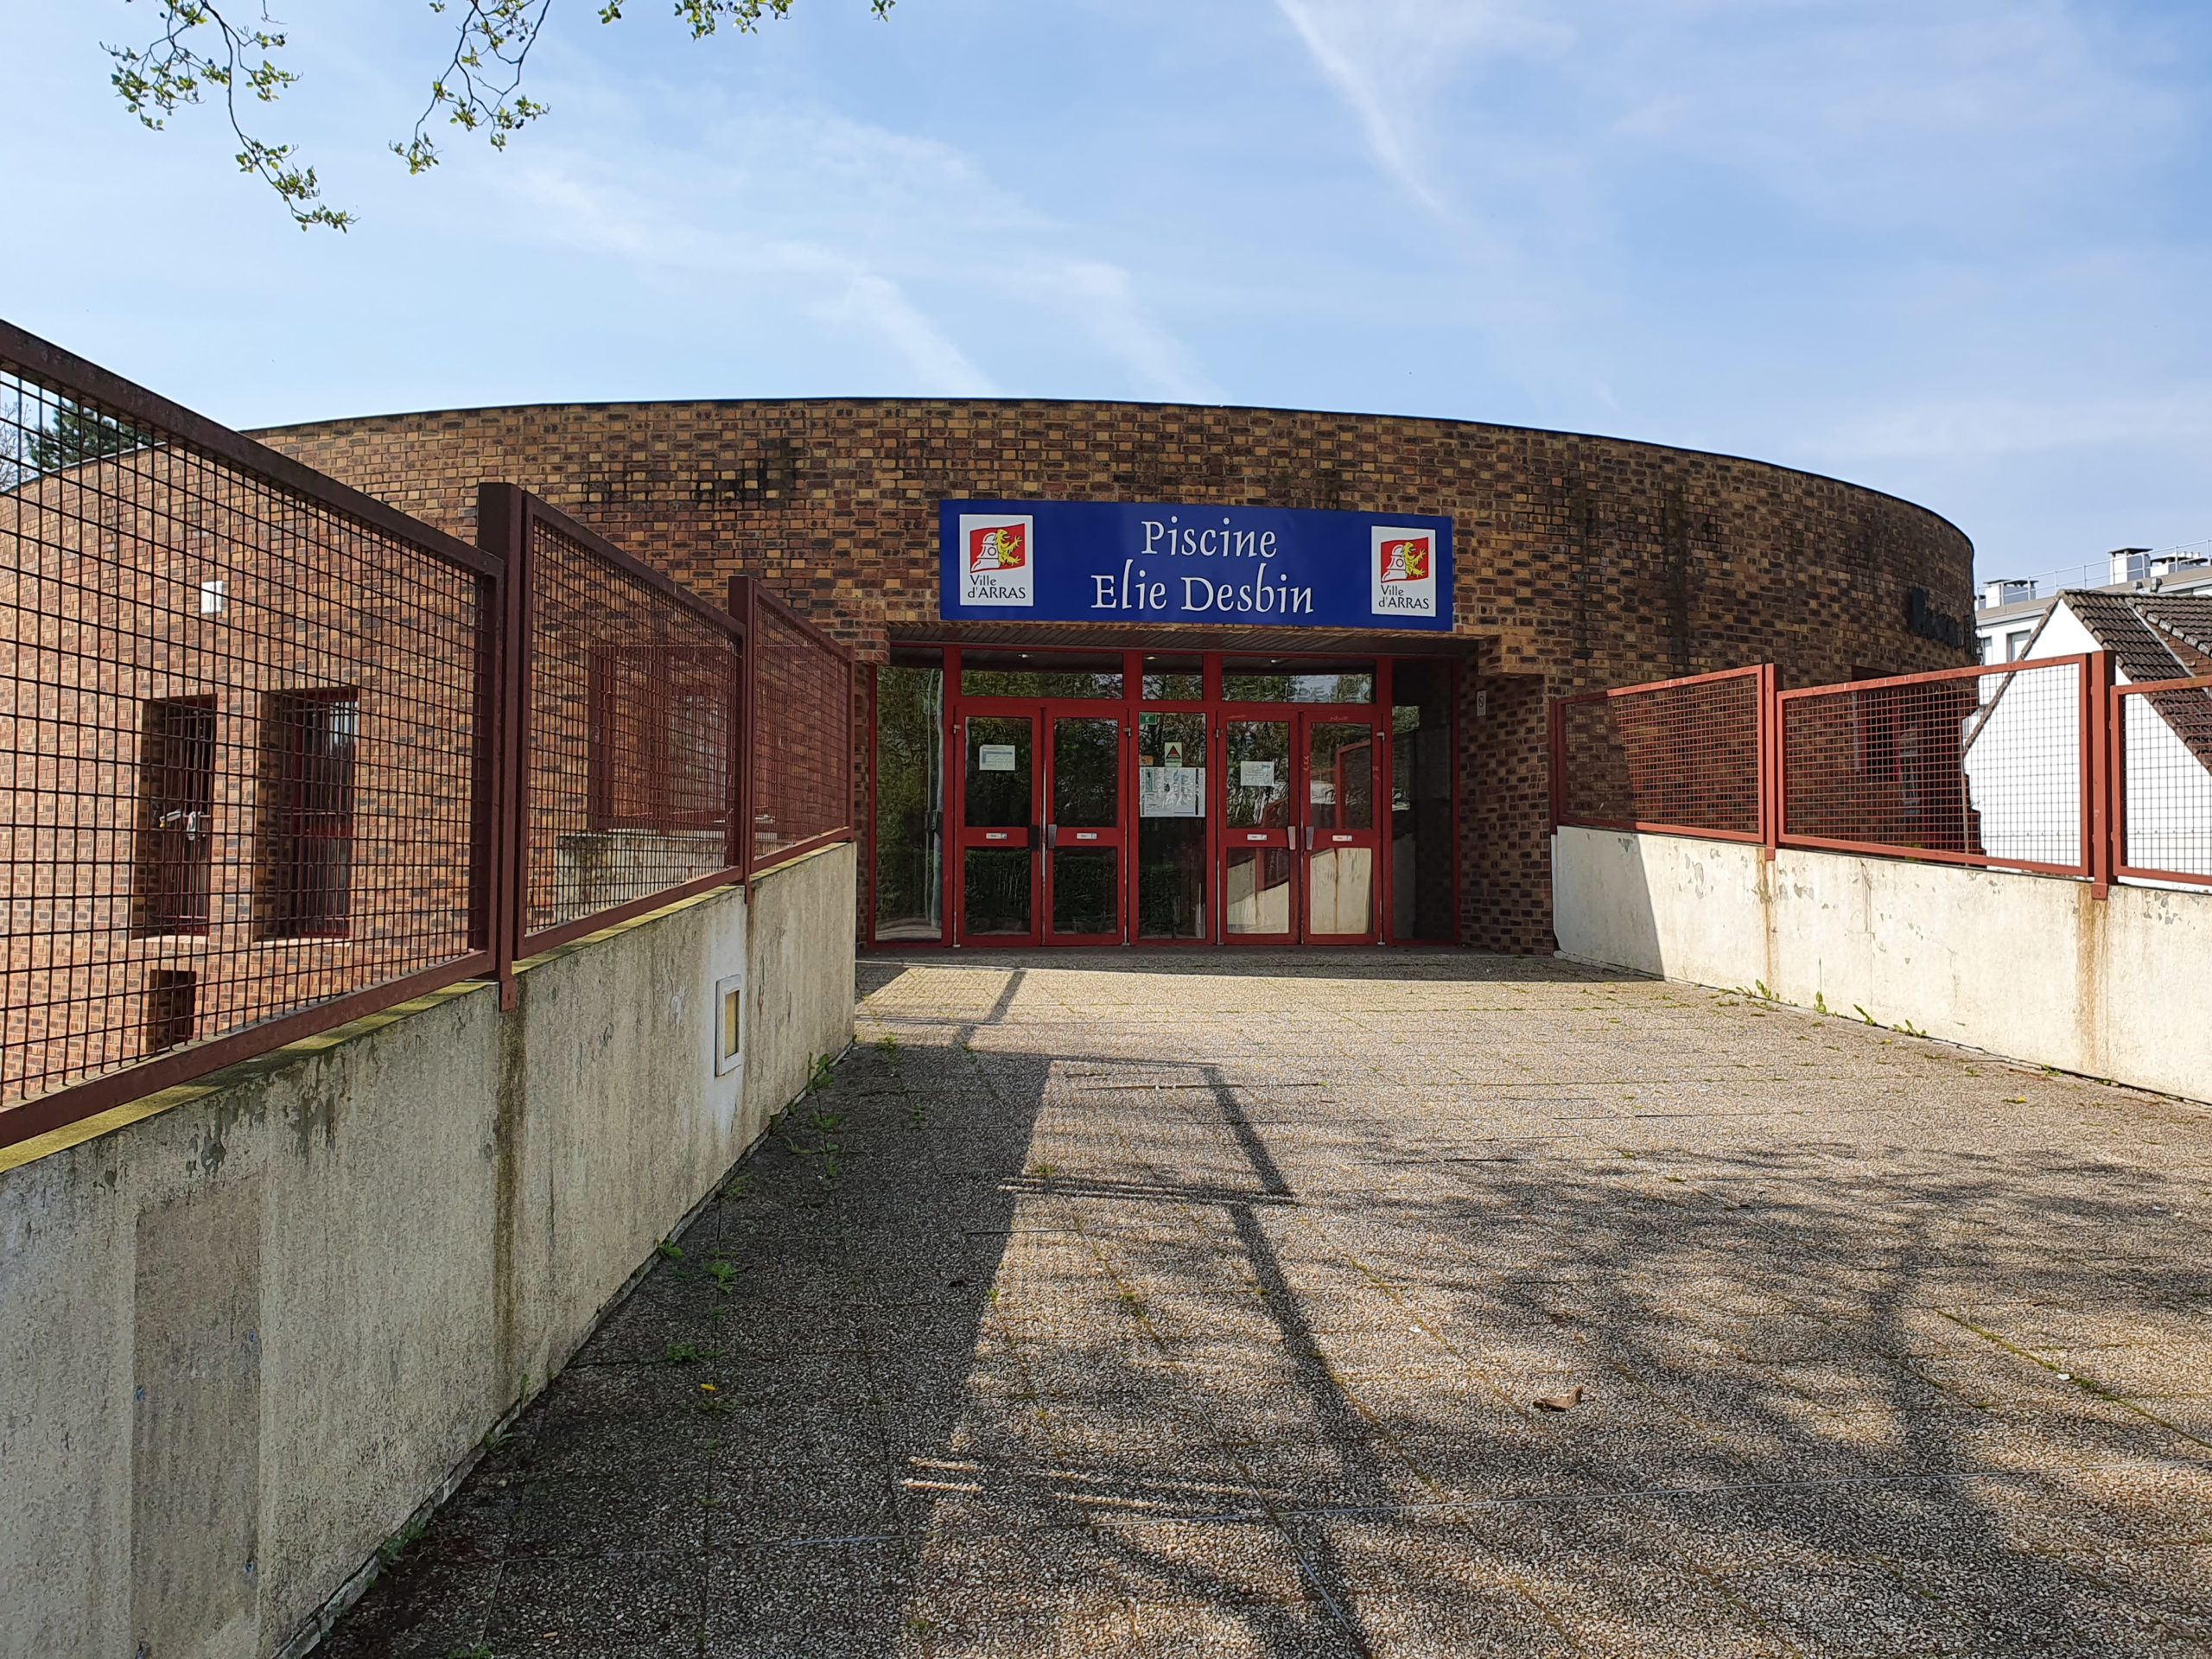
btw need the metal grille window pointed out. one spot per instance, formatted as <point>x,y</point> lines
<point>172,1008</point>
<point>660,737</point>
<point>177,799</point>
<point>1679,757</point>
<point>309,743</point>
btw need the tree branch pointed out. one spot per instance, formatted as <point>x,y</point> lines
<point>480,91</point>
<point>171,70</point>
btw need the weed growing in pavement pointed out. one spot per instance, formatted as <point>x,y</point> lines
<point>724,1273</point>
<point>682,1353</point>
<point>405,1539</point>
<point>478,1651</point>
<point>887,1044</point>
<point>817,1074</point>
<point>669,1250</point>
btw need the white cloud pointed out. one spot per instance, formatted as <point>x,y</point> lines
<point>1386,59</point>
<point>840,289</point>
<point>887,233</point>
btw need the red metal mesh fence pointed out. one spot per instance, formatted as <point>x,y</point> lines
<point>237,722</point>
<point>634,699</point>
<point>2165,762</point>
<point>802,737</point>
<point>1682,757</point>
<point>1983,766</point>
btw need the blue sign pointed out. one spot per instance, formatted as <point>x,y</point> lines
<point>1264,567</point>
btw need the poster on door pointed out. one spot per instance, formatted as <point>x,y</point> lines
<point>1170,792</point>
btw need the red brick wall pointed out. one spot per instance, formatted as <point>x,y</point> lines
<point>1581,562</point>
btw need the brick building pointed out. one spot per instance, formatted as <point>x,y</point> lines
<point>1337,782</point>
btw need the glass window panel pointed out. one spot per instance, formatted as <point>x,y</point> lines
<point>997,892</point>
<point>1258,773</point>
<point>1039,674</point>
<point>1297,680</point>
<point>1172,807</point>
<point>1340,890</point>
<point>1257,892</point>
<point>1340,776</point>
<point>1174,679</point>
<point>1084,899</point>
<point>1420,801</point>
<point>1087,772</point>
<point>909,803</point>
<point>999,761</point>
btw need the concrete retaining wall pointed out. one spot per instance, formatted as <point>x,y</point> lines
<point>2027,966</point>
<point>248,1326</point>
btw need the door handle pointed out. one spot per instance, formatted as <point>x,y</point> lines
<point>1051,835</point>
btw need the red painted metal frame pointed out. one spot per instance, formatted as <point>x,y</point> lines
<point>1134,706</point>
<point>1767,742</point>
<point>65,372</point>
<point>2089,722</point>
<point>748,599</point>
<point>504,513</point>
<point>2116,794</point>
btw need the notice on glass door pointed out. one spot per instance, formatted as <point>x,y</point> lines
<point>995,757</point>
<point>1170,792</point>
<point>1255,774</point>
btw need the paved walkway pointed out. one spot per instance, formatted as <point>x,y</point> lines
<point>1195,1306</point>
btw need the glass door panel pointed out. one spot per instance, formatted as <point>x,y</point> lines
<point>1342,844</point>
<point>910,785</point>
<point>1171,810</point>
<point>998,810</point>
<point>1083,832</point>
<point>1258,867</point>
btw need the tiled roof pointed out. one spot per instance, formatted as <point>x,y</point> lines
<point>2158,637</point>
<point>2138,629</point>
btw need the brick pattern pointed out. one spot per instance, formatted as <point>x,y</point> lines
<point>1684,756</point>
<point>161,574</point>
<point>1582,563</point>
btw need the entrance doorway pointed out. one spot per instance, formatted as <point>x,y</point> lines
<point>1042,824</point>
<point>1123,797</point>
<point>1298,839</point>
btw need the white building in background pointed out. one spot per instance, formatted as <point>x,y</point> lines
<point>2023,750</point>
<point>2007,612</point>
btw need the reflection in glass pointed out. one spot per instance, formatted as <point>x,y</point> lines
<point>1041,674</point>
<point>1084,897</point>
<point>1421,800</point>
<point>1257,894</point>
<point>1293,680</point>
<point>997,894</point>
<point>1174,679</point>
<point>1258,762</point>
<point>909,803</point>
<point>1340,890</point>
<point>998,770</point>
<point>1340,776</point>
<point>1172,826</point>
<point>1087,772</point>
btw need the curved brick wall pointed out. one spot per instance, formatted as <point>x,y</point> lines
<point>1580,561</point>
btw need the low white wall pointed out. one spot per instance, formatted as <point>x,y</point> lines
<point>247,1327</point>
<point>2027,966</point>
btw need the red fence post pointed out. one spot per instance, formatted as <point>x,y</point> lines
<point>745,607</point>
<point>1558,745</point>
<point>2100,818</point>
<point>1770,758</point>
<point>503,530</point>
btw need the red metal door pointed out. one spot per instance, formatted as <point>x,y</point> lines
<point>1340,859</point>
<point>997,840</point>
<point>1085,812</point>
<point>1259,832</point>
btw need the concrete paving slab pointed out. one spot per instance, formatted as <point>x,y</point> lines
<point>1205,1306</point>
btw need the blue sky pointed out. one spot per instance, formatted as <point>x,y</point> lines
<point>1955,249</point>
